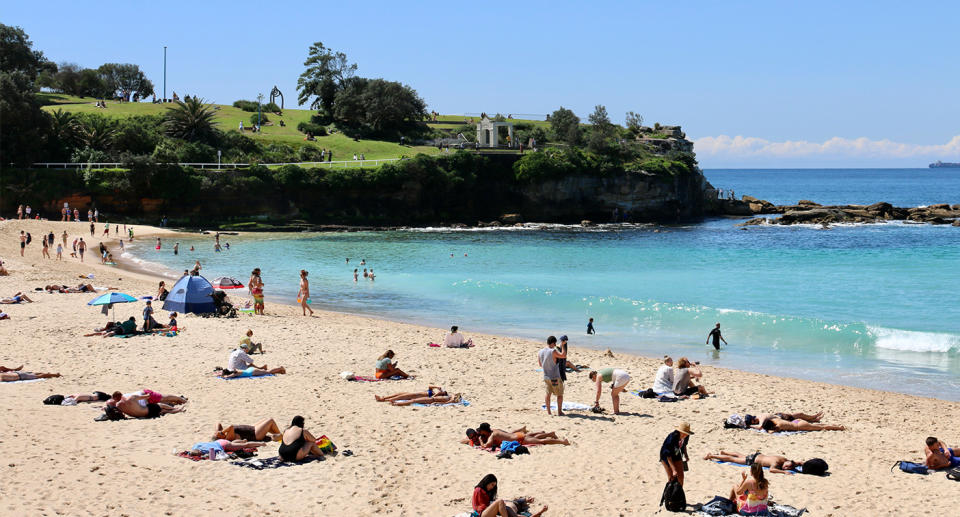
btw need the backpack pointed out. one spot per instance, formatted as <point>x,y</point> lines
<point>53,400</point>
<point>673,497</point>
<point>954,474</point>
<point>719,506</point>
<point>911,468</point>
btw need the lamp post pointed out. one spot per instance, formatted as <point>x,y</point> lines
<point>164,73</point>
<point>259,102</point>
<point>218,159</point>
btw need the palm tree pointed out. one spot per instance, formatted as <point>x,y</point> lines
<point>96,133</point>
<point>190,120</point>
<point>64,125</point>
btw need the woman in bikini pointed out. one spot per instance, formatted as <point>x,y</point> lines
<point>435,399</point>
<point>265,429</point>
<point>296,443</point>
<point>498,436</point>
<point>751,492</point>
<point>255,372</point>
<point>304,295</point>
<point>431,391</point>
<point>255,286</point>
<point>385,368</point>
<point>776,424</point>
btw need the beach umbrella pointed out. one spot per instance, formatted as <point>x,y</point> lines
<point>226,282</point>
<point>190,294</point>
<point>111,298</point>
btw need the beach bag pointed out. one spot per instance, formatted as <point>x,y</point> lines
<point>954,474</point>
<point>648,394</point>
<point>53,400</point>
<point>673,499</point>
<point>325,444</point>
<point>910,467</point>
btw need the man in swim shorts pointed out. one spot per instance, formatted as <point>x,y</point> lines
<point>136,405</point>
<point>15,376</point>
<point>776,464</point>
<point>939,456</point>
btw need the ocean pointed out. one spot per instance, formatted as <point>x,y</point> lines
<point>861,305</point>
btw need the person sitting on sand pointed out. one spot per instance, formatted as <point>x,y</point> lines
<point>162,291</point>
<point>456,340</point>
<point>751,493</point>
<point>172,324</point>
<point>218,445</point>
<point>776,464</point>
<point>17,298</point>
<point>485,503</point>
<point>775,424</point>
<point>683,384</point>
<point>939,456</point>
<point>127,328</point>
<point>618,379</point>
<point>387,369</point>
<point>265,429</point>
<point>240,360</point>
<point>251,346</point>
<point>663,383</point>
<point>431,391</point>
<point>435,399</point>
<point>296,443</point>
<point>14,376</point>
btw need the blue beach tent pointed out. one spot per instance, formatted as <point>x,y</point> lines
<point>190,294</point>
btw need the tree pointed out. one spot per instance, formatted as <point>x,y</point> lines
<point>23,133</point>
<point>96,131</point>
<point>377,107</point>
<point>125,79</point>
<point>324,77</point>
<point>601,131</point>
<point>191,120</point>
<point>565,126</point>
<point>634,122</point>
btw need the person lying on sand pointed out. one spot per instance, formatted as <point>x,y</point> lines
<point>939,456</point>
<point>774,424</point>
<point>793,415</point>
<point>136,405</point>
<point>80,288</point>
<point>17,298</point>
<point>13,376</point>
<point>485,503</point>
<point>265,429</point>
<point>297,443</point>
<point>386,369</point>
<point>776,464</point>
<point>431,391</point>
<point>222,444</point>
<point>109,329</point>
<point>435,399</point>
<point>490,438</point>
<point>5,369</point>
<point>253,371</point>
<point>96,396</point>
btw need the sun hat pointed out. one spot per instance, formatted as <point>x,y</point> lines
<point>684,428</point>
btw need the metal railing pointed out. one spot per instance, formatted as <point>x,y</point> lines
<point>329,164</point>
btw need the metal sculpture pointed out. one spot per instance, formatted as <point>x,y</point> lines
<point>276,93</point>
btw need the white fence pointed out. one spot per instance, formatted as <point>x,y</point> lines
<point>342,164</point>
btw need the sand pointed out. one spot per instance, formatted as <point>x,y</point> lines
<point>407,461</point>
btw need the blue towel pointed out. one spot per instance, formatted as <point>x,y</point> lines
<point>235,378</point>
<point>742,465</point>
<point>509,446</point>
<point>461,403</point>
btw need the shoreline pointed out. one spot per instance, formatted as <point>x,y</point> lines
<point>426,322</point>
<point>406,461</point>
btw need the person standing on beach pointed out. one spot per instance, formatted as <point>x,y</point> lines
<point>547,357</point>
<point>304,295</point>
<point>23,242</point>
<point>590,329</point>
<point>65,237</point>
<point>255,286</point>
<point>20,212</point>
<point>562,363</point>
<point>59,252</point>
<point>81,247</point>
<point>717,337</point>
<point>673,452</point>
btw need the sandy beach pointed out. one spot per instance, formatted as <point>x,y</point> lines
<point>407,460</point>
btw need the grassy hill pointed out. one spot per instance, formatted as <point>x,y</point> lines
<point>228,119</point>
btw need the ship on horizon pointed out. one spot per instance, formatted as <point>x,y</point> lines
<point>944,165</point>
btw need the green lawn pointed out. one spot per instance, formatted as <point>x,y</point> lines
<point>228,119</point>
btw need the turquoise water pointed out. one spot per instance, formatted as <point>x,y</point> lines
<point>868,305</point>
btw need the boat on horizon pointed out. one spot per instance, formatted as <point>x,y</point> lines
<point>944,165</point>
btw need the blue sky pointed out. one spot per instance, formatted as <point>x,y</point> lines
<point>755,84</point>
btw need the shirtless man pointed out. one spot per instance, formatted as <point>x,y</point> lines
<point>490,438</point>
<point>437,398</point>
<point>13,376</point>
<point>939,456</point>
<point>776,464</point>
<point>136,405</point>
<point>773,424</point>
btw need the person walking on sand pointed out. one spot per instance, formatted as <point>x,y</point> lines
<point>45,252</point>
<point>65,237</point>
<point>304,295</point>
<point>23,242</point>
<point>717,337</point>
<point>547,357</point>
<point>673,452</point>
<point>92,229</point>
<point>81,247</point>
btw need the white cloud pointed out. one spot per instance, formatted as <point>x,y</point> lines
<point>752,147</point>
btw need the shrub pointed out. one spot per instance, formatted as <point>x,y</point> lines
<point>261,117</point>
<point>308,153</point>
<point>313,129</point>
<point>252,106</point>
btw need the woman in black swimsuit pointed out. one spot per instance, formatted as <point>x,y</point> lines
<point>297,443</point>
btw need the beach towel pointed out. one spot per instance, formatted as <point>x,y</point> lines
<point>779,433</point>
<point>271,463</point>
<point>773,509</point>
<point>460,403</point>
<point>360,378</point>
<point>434,345</point>
<point>742,465</point>
<point>568,406</point>
<point>20,382</point>
<point>235,378</point>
